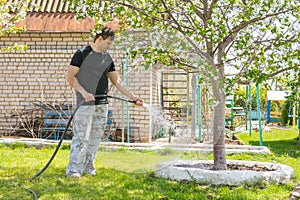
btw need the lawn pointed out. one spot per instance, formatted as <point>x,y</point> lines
<point>18,164</point>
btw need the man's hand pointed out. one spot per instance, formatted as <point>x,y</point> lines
<point>137,100</point>
<point>88,96</point>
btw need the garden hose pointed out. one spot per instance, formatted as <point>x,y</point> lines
<point>65,131</point>
<point>35,197</point>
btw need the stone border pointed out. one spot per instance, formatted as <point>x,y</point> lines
<point>38,143</point>
<point>281,174</point>
<point>203,148</point>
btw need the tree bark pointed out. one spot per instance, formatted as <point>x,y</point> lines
<point>219,126</point>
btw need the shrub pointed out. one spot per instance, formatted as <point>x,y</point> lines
<point>285,119</point>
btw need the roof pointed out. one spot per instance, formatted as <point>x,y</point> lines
<point>56,22</point>
<point>50,6</point>
<point>277,95</point>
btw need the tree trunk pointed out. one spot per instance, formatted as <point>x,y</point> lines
<point>219,126</point>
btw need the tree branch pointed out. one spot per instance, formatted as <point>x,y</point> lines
<point>270,76</point>
<point>179,28</point>
<point>292,39</point>
<point>176,60</point>
<point>280,71</point>
<point>214,2</point>
<point>230,37</point>
<point>198,11</point>
<point>135,9</point>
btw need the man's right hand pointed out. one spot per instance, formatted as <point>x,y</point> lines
<point>88,96</point>
<point>138,101</point>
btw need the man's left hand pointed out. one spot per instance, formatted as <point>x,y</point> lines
<point>137,100</point>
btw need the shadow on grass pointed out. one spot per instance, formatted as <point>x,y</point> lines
<point>289,147</point>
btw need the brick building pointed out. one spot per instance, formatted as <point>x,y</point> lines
<point>39,73</point>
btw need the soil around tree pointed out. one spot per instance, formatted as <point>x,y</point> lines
<point>230,166</point>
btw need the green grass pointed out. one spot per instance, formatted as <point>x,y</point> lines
<point>18,164</point>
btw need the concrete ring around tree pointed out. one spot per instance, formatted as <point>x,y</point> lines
<point>197,171</point>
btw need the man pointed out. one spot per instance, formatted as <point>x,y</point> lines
<point>88,74</point>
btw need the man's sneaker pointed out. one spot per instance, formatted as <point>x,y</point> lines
<point>91,172</point>
<point>73,175</point>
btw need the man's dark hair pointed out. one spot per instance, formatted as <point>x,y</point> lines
<point>105,33</point>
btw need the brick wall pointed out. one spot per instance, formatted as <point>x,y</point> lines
<point>39,74</point>
<point>139,82</point>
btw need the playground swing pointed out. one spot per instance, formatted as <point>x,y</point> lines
<point>273,117</point>
<point>232,112</point>
<point>254,115</point>
<point>292,111</point>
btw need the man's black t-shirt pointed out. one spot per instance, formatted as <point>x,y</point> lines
<point>92,75</point>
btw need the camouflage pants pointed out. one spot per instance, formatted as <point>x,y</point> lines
<point>88,128</point>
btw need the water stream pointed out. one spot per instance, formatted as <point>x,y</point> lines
<point>145,158</point>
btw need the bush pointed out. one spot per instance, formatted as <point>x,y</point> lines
<point>285,119</point>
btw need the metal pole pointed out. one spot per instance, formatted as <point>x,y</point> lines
<point>250,110</point>
<point>299,121</point>
<point>199,109</point>
<point>123,114</point>
<point>259,114</point>
<point>207,121</point>
<point>247,106</point>
<point>127,104</point>
<point>194,104</point>
<point>298,111</point>
<point>187,102</point>
<point>232,111</point>
<point>294,112</point>
<point>268,111</point>
<point>298,107</point>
